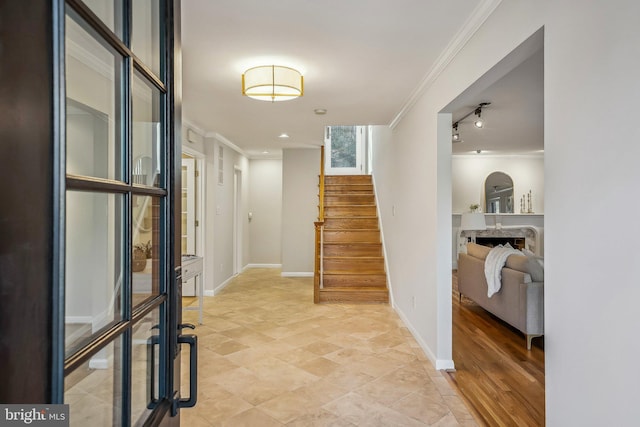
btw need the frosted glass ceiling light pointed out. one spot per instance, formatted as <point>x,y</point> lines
<point>272,83</point>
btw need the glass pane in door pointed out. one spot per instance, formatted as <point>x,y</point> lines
<point>94,265</point>
<point>146,133</point>
<point>343,147</point>
<point>145,261</point>
<point>145,33</point>
<point>94,390</point>
<point>145,366</point>
<point>94,87</point>
<point>343,150</point>
<point>109,12</point>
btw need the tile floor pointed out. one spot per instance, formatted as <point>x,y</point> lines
<point>269,357</point>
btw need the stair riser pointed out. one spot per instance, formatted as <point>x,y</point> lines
<point>328,295</point>
<point>351,223</point>
<point>353,250</point>
<point>349,200</point>
<point>352,211</point>
<point>347,179</point>
<point>354,264</point>
<point>352,236</point>
<point>357,280</point>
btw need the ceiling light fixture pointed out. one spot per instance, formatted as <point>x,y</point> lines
<point>283,135</point>
<point>272,83</point>
<point>456,135</point>
<point>478,123</point>
<point>320,111</point>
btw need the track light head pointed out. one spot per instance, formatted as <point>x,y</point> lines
<point>455,137</point>
<point>479,123</point>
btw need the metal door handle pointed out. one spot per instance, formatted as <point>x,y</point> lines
<point>151,367</point>
<point>192,340</point>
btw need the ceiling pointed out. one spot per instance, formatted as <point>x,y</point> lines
<point>514,121</point>
<point>362,60</point>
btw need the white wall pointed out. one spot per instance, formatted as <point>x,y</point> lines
<point>219,246</point>
<point>591,302</point>
<point>300,169</point>
<point>592,59</point>
<point>265,205</point>
<point>470,172</point>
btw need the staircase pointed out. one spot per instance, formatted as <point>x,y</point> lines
<point>352,268</point>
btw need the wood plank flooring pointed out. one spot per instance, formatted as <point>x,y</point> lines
<point>495,374</point>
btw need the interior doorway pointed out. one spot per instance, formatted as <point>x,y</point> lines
<point>192,218</point>
<point>509,89</point>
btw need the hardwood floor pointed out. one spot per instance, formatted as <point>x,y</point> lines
<point>496,375</point>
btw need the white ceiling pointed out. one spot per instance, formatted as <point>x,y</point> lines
<point>514,122</point>
<point>362,60</point>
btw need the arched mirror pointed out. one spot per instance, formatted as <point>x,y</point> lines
<point>498,191</point>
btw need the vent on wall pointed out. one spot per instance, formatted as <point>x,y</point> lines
<point>193,137</point>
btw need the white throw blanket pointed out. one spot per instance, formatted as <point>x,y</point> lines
<point>496,259</point>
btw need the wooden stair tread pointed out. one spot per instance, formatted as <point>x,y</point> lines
<point>351,217</point>
<point>351,230</point>
<point>355,288</point>
<point>353,243</point>
<point>354,273</point>
<point>369,205</point>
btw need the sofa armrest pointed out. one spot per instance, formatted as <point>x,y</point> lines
<point>532,306</point>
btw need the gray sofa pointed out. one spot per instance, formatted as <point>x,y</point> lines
<point>520,301</point>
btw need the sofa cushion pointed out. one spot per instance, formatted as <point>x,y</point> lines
<point>536,266</point>
<point>477,251</point>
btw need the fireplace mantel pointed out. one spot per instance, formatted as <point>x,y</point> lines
<point>527,226</point>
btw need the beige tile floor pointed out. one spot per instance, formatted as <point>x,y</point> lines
<point>269,357</point>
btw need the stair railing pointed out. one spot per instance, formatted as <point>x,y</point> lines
<point>318,282</point>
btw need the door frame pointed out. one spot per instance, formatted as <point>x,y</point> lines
<point>237,221</point>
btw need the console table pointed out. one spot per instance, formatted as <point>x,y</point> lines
<point>192,269</point>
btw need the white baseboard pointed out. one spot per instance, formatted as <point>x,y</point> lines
<point>78,319</point>
<point>219,288</point>
<point>439,364</point>
<point>297,274</point>
<point>98,364</point>
<point>263,266</point>
<point>209,293</point>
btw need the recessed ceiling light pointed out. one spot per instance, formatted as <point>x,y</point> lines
<point>320,111</point>
<point>265,152</point>
<point>283,135</point>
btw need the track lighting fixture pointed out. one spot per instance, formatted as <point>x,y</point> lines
<point>456,135</point>
<point>478,122</point>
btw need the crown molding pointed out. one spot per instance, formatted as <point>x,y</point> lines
<point>190,125</point>
<point>472,24</point>
<point>220,138</point>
